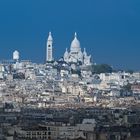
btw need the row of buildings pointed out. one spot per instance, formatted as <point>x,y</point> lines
<point>64,99</point>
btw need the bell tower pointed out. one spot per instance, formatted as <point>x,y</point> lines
<point>49,55</point>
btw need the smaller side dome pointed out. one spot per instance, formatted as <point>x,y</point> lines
<point>85,53</point>
<point>66,53</point>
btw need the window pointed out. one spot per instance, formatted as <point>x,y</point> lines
<point>49,133</point>
<point>49,138</point>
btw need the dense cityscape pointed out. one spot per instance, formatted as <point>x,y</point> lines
<point>67,99</point>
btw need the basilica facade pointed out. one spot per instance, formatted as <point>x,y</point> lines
<point>75,55</point>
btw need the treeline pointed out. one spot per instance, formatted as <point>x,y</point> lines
<point>105,68</point>
<point>101,68</point>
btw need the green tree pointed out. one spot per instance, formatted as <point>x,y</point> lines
<point>127,87</point>
<point>102,68</point>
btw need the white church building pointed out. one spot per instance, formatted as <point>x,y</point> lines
<point>75,55</point>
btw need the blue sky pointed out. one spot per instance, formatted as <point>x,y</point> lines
<point>109,29</point>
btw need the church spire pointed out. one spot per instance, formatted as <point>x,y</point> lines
<point>66,49</point>
<point>84,52</point>
<point>50,37</point>
<point>75,35</point>
<point>84,49</point>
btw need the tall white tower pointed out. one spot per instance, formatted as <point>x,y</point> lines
<point>49,52</point>
<point>16,55</point>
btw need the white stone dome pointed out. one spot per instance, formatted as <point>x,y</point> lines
<point>15,55</point>
<point>75,45</point>
<point>66,54</point>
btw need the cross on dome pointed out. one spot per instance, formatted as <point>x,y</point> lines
<point>75,35</point>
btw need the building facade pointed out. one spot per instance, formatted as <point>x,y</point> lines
<point>75,54</point>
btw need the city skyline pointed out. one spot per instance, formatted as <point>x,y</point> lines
<point>110,32</point>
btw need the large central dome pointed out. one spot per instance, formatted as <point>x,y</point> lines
<point>75,44</point>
